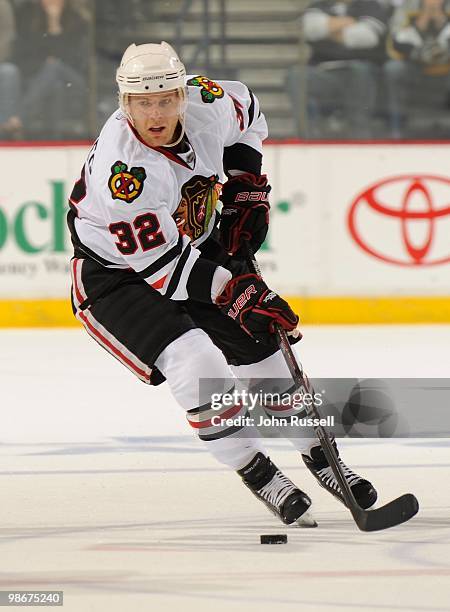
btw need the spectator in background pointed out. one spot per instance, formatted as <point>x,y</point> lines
<point>10,124</point>
<point>53,54</point>
<point>117,25</point>
<point>347,41</point>
<point>421,64</point>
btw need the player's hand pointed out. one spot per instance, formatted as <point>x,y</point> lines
<point>248,301</point>
<point>245,212</point>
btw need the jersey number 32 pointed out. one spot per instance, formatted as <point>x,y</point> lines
<point>146,232</point>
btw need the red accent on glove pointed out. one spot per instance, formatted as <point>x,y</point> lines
<point>245,212</point>
<point>247,300</point>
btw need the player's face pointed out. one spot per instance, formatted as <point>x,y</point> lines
<point>155,116</point>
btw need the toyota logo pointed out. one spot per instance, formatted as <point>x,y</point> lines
<point>404,220</point>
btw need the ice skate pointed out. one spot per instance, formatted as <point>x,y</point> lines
<point>277,492</point>
<point>363,490</point>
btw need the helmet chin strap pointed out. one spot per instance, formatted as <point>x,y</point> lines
<point>181,119</point>
<point>182,133</point>
<point>123,108</point>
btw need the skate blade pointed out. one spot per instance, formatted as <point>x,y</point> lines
<point>305,520</point>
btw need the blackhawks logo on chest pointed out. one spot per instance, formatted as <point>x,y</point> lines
<point>124,184</point>
<point>199,197</point>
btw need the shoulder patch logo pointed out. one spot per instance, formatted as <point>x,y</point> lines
<point>124,184</point>
<point>210,91</point>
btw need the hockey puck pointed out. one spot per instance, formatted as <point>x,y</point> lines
<point>280,538</point>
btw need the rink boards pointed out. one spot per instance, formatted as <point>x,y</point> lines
<point>359,232</point>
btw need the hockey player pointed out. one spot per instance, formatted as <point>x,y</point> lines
<point>160,286</point>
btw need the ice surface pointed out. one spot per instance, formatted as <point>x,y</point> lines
<point>107,495</point>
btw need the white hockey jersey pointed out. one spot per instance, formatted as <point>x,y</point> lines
<point>149,208</point>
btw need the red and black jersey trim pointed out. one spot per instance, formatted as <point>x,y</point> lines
<point>78,191</point>
<point>223,434</point>
<point>201,419</point>
<point>200,280</point>
<point>242,157</point>
<point>251,108</point>
<point>165,259</point>
<point>176,274</point>
<point>166,151</point>
<point>174,157</point>
<point>81,250</point>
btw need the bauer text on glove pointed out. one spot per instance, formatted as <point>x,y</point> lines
<point>245,212</point>
<point>248,301</point>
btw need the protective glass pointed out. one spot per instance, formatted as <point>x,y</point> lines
<point>166,104</point>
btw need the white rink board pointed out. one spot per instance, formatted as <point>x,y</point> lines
<point>34,240</point>
<point>313,250</point>
<point>310,250</point>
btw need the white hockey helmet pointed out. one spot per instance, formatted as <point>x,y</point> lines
<point>151,68</point>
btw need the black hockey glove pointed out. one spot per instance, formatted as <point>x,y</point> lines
<point>248,301</point>
<point>245,212</point>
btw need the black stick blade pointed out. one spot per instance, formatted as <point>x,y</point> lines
<point>394,513</point>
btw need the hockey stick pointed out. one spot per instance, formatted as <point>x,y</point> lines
<point>393,513</point>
